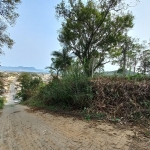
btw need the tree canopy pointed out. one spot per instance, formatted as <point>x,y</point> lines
<point>7,10</point>
<point>90,30</point>
<point>7,16</point>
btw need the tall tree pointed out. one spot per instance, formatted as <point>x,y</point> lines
<point>7,16</point>
<point>125,53</point>
<point>144,66</point>
<point>91,29</point>
<point>133,56</point>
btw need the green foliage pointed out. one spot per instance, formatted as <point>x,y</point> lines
<point>7,15</point>
<point>29,85</point>
<point>125,53</point>
<point>144,58</point>
<point>60,62</point>
<point>138,77</point>
<point>87,117</point>
<point>2,100</point>
<point>7,10</point>
<point>90,30</point>
<point>4,37</point>
<point>120,71</point>
<point>72,90</point>
<point>1,83</point>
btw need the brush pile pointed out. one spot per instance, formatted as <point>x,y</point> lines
<point>121,98</point>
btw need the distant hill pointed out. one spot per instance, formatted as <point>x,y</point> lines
<point>21,69</point>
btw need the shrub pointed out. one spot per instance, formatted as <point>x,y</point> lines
<point>1,83</point>
<point>138,77</point>
<point>2,100</point>
<point>29,85</point>
<point>73,89</point>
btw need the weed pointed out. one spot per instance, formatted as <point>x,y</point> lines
<point>100,115</point>
<point>87,117</point>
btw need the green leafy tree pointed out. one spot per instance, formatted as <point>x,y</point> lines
<point>90,30</point>
<point>4,37</point>
<point>7,16</point>
<point>133,57</point>
<point>144,66</point>
<point>125,53</point>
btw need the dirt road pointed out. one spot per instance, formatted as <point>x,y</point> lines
<point>10,96</point>
<point>21,129</point>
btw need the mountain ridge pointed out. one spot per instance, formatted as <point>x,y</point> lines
<point>21,69</point>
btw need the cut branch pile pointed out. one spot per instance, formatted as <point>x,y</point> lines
<point>120,98</point>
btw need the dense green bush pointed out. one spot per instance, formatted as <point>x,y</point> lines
<point>2,100</point>
<point>73,89</point>
<point>138,77</point>
<point>29,85</point>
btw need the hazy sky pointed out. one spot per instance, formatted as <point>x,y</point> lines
<point>36,30</point>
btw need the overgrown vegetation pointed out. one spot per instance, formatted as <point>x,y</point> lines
<point>29,85</point>
<point>1,83</point>
<point>73,90</point>
<point>2,101</point>
<point>110,97</point>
